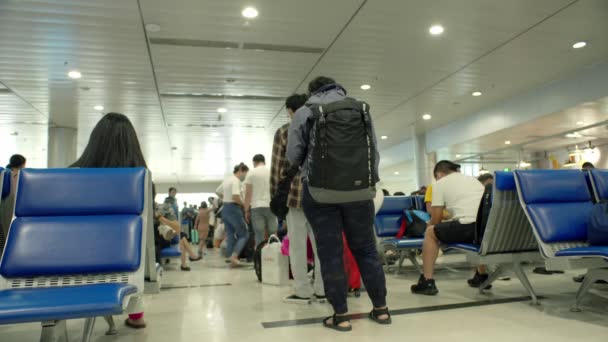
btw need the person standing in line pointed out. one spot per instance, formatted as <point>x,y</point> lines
<point>298,229</point>
<point>329,220</point>
<point>237,234</point>
<point>173,201</point>
<point>257,200</point>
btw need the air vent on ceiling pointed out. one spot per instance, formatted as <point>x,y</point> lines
<point>224,97</point>
<point>233,45</point>
<point>225,125</point>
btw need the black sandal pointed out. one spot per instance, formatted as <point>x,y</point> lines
<point>375,313</point>
<point>336,321</point>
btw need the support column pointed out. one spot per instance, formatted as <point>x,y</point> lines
<point>421,164</point>
<point>61,151</point>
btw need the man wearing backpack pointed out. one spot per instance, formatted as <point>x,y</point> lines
<point>333,139</point>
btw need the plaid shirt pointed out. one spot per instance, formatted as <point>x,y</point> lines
<point>280,165</point>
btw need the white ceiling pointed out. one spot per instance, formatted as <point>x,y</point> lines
<point>502,48</point>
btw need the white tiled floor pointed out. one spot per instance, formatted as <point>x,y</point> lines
<point>235,313</point>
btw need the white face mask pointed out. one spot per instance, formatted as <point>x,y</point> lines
<point>241,178</point>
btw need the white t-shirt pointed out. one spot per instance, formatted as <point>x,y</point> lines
<point>230,186</point>
<point>259,179</point>
<point>460,195</point>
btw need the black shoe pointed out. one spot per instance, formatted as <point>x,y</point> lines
<point>477,280</point>
<point>545,271</point>
<point>185,268</point>
<point>425,287</point>
<point>581,278</point>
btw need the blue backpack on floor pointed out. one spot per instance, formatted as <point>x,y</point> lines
<point>597,228</point>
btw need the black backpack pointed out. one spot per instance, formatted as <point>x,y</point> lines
<point>342,168</point>
<point>483,213</point>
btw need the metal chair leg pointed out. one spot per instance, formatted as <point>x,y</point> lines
<point>412,256</point>
<point>590,279</point>
<point>54,331</point>
<point>89,324</point>
<point>491,278</point>
<point>523,278</point>
<point>400,263</point>
<point>111,325</point>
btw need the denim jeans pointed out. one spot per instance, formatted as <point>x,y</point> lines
<point>263,219</point>
<point>356,219</point>
<point>236,229</point>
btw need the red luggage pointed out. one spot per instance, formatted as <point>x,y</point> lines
<point>352,270</point>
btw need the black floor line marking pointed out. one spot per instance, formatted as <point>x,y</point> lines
<point>398,312</point>
<point>173,287</point>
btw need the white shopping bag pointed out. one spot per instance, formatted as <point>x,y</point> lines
<point>275,266</point>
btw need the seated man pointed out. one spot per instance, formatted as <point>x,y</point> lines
<point>460,195</point>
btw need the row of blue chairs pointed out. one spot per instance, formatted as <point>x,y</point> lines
<point>531,221</point>
<point>76,247</point>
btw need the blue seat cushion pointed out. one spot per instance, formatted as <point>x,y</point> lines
<point>561,222</point>
<point>590,251</point>
<point>65,192</point>
<point>53,246</point>
<point>387,225</point>
<point>59,303</point>
<point>504,181</point>
<point>170,252</point>
<point>464,246</point>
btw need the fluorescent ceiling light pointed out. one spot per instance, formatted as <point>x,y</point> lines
<point>396,173</point>
<point>580,123</point>
<point>75,74</point>
<point>436,30</point>
<point>222,110</point>
<point>524,164</point>
<point>366,87</point>
<point>98,107</point>
<point>579,45</point>
<point>384,137</point>
<point>574,135</point>
<point>508,142</point>
<point>250,12</point>
<point>427,116</point>
<point>458,156</point>
<point>476,93</point>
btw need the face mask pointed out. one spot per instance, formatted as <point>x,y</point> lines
<point>241,178</point>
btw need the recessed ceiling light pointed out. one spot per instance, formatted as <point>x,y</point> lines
<point>396,173</point>
<point>384,137</point>
<point>476,93</point>
<point>508,142</point>
<point>366,87</point>
<point>222,110</point>
<point>579,45</point>
<point>436,30</point>
<point>75,74</point>
<point>580,123</point>
<point>458,156</point>
<point>152,27</point>
<point>250,12</point>
<point>427,116</point>
<point>574,135</point>
<point>98,107</point>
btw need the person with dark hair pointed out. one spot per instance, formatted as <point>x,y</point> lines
<point>587,166</point>
<point>16,162</point>
<point>460,195</point>
<point>237,235</point>
<point>257,200</point>
<point>330,220</point>
<point>299,230</point>
<point>113,143</point>
<point>486,178</point>
<point>386,193</point>
<point>173,201</point>
<point>399,193</point>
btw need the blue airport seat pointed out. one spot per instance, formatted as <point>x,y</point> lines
<point>76,247</point>
<point>419,202</point>
<point>171,252</point>
<point>558,204</point>
<point>508,241</point>
<point>599,181</point>
<point>387,224</point>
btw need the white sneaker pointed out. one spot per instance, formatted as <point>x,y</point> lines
<point>293,299</point>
